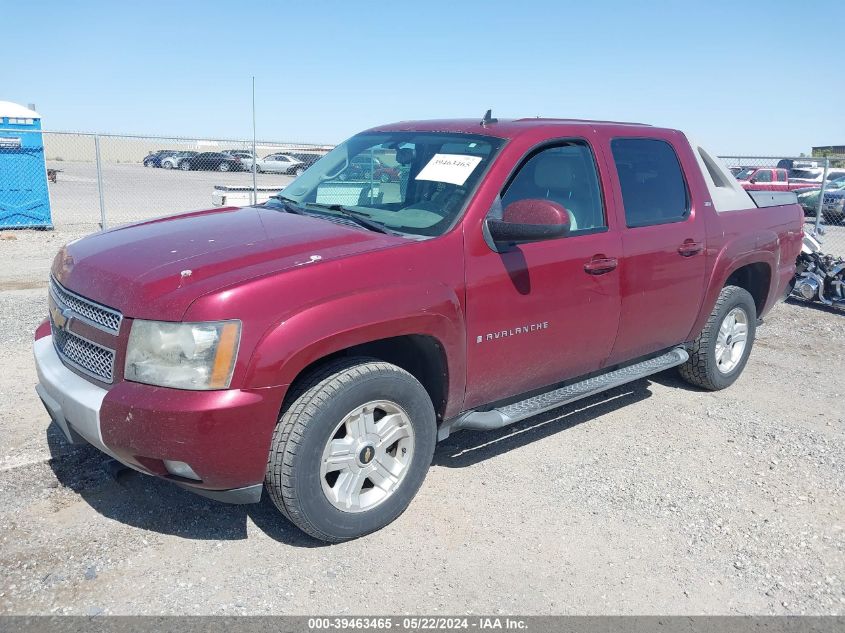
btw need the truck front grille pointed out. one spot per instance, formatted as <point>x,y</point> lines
<point>99,316</point>
<point>95,360</point>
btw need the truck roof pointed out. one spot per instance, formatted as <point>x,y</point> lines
<point>502,128</point>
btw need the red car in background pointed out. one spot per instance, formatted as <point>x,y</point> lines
<point>370,167</point>
<point>768,179</point>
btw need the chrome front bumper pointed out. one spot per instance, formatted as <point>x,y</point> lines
<point>74,405</point>
<point>72,402</point>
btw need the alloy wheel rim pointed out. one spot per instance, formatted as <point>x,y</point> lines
<point>731,340</point>
<point>367,456</point>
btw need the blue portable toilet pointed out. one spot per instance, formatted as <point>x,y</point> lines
<point>24,198</point>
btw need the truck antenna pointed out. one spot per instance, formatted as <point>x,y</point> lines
<point>488,119</point>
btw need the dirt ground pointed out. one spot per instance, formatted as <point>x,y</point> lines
<point>653,498</point>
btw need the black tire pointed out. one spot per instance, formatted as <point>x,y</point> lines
<point>309,417</point>
<point>385,178</point>
<point>185,166</point>
<point>299,171</point>
<point>224,166</point>
<point>167,165</point>
<point>702,369</point>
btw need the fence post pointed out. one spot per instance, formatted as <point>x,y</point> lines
<point>100,182</point>
<point>821,195</point>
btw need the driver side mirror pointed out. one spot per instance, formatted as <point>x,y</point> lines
<point>524,221</point>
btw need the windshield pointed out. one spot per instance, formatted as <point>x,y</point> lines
<point>745,174</point>
<point>411,183</point>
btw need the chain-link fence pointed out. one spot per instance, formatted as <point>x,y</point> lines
<point>818,182</point>
<point>63,179</point>
<point>88,181</point>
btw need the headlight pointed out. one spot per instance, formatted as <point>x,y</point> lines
<point>182,355</point>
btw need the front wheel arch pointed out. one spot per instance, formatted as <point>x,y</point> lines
<point>422,356</point>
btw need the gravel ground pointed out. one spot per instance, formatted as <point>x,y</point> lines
<point>653,498</point>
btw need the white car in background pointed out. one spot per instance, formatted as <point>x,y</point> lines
<point>172,162</point>
<point>277,164</point>
<point>814,175</point>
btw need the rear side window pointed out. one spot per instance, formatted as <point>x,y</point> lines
<point>653,187</point>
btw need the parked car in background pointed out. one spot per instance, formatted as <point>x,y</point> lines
<point>833,208</point>
<point>815,174</point>
<point>153,159</point>
<point>244,155</point>
<point>276,164</point>
<point>306,159</point>
<point>369,167</point>
<point>768,179</point>
<point>172,161</point>
<point>808,197</point>
<point>211,161</point>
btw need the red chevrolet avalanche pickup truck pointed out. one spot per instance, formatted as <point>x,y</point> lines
<point>318,345</point>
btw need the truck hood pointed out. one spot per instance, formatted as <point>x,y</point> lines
<point>156,269</point>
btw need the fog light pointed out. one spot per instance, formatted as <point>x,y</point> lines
<point>180,469</point>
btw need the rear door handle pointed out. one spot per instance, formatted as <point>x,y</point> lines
<point>600,265</point>
<point>690,248</point>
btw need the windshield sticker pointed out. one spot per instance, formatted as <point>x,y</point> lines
<point>451,168</point>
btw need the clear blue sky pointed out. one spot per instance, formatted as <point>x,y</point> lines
<point>741,76</point>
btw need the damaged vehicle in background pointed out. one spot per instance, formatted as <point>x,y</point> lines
<point>808,197</point>
<point>318,346</point>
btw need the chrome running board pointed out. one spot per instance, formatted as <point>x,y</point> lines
<point>514,412</point>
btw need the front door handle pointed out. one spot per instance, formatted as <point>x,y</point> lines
<point>690,248</point>
<point>600,265</point>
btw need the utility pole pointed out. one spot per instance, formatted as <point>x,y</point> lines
<point>254,155</point>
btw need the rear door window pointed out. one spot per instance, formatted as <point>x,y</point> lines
<point>652,183</point>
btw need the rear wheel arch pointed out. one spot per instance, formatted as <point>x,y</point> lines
<point>756,278</point>
<point>751,271</point>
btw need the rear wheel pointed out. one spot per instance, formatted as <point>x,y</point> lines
<point>167,165</point>
<point>224,166</point>
<point>185,166</point>
<point>720,352</point>
<point>351,449</point>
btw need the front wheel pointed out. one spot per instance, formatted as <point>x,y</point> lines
<point>167,165</point>
<point>185,166</point>
<point>351,449</point>
<point>224,166</point>
<point>720,352</point>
